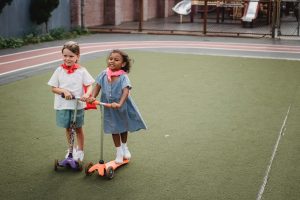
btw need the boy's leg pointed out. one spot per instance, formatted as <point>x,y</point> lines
<point>68,137</point>
<point>80,138</point>
<point>80,142</point>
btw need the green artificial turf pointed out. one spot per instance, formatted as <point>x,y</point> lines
<point>212,125</point>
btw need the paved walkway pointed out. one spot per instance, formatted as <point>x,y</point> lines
<point>19,63</point>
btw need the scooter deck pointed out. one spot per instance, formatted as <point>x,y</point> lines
<point>101,167</point>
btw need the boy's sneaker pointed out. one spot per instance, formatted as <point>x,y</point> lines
<point>79,155</point>
<point>126,152</point>
<point>119,156</point>
<point>74,153</point>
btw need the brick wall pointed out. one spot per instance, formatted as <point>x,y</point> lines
<point>75,13</point>
<point>129,10</point>
<point>152,9</point>
<point>100,12</point>
<point>94,10</point>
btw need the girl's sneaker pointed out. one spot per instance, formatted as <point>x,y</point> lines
<point>79,155</point>
<point>119,156</point>
<point>126,152</point>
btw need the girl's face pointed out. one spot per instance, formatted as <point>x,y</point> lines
<point>115,61</point>
<point>69,57</point>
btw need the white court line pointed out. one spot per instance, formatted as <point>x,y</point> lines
<point>166,44</point>
<point>45,63</point>
<point>265,180</point>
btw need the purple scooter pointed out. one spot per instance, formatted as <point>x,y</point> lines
<point>69,162</point>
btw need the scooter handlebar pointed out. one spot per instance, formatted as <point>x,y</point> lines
<point>108,105</point>
<point>63,96</point>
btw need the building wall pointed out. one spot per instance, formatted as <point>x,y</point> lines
<point>95,12</point>
<point>129,10</point>
<point>68,14</point>
<point>15,20</point>
<point>171,4</point>
<point>152,9</point>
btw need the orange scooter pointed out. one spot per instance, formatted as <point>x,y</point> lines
<point>104,169</point>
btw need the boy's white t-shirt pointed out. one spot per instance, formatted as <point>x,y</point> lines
<point>73,83</point>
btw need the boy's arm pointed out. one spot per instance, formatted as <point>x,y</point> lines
<point>61,91</point>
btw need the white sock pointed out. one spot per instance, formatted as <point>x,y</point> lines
<point>119,156</point>
<point>123,145</point>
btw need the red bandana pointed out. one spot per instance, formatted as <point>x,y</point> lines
<point>70,69</point>
<point>111,73</point>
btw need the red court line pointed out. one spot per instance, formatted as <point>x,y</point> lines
<point>22,60</point>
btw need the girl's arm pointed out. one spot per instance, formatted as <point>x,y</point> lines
<point>125,93</point>
<point>95,93</point>
<point>87,93</point>
<point>61,91</point>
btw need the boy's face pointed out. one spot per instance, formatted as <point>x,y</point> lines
<point>69,57</point>
<point>115,61</point>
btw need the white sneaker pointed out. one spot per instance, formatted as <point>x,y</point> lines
<point>126,152</point>
<point>79,155</point>
<point>74,152</point>
<point>119,156</point>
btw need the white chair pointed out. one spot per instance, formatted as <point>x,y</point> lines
<point>183,8</point>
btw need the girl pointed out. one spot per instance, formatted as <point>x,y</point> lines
<point>69,80</point>
<point>124,115</point>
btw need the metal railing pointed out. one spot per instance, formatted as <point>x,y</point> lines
<point>250,18</point>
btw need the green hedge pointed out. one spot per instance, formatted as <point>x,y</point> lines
<point>32,38</point>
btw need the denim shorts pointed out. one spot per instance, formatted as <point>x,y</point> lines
<point>64,118</point>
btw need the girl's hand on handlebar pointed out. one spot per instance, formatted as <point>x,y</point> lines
<point>90,99</point>
<point>84,97</point>
<point>115,105</point>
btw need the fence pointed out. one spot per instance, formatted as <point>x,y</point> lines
<point>252,18</point>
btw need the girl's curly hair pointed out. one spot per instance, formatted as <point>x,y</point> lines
<point>126,59</point>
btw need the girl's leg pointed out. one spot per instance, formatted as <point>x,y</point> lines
<point>117,142</point>
<point>117,139</point>
<point>124,137</point>
<point>126,152</point>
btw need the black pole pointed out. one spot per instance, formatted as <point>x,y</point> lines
<point>205,18</point>
<point>82,13</point>
<point>141,17</point>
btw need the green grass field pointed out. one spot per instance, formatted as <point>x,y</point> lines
<point>212,126</point>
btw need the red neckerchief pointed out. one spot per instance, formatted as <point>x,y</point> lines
<point>111,73</point>
<point>70,69</point>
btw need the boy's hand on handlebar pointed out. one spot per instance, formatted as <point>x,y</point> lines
<point>67,95</point>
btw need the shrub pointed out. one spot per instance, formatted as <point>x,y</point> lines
<point>40,10</point>
<point>34,37</point>
<point>3,3</point>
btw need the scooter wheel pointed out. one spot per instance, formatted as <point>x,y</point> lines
<point>86,169</point>
<point>79,166</point>
<point>55,165</point>
<point>109,173</point>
